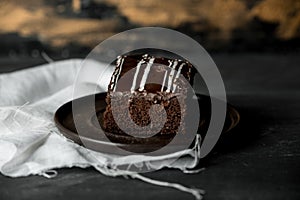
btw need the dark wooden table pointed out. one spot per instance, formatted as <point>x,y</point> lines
<point>260,159</point>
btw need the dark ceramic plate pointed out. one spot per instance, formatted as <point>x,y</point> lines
<point>93,137</point>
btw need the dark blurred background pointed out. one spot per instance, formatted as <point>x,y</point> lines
<point>71,28</point>
<point>256,46</point>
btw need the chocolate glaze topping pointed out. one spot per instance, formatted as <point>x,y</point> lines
<point>140,69</point>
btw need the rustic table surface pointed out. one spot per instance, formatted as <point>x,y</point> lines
<point>260,159</point>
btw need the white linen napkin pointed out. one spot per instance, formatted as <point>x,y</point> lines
<point>30,143</point>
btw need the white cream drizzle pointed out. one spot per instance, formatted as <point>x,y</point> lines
<point>171,75</point>
<point>163,84</point>
<point>136,75</point>
<point>176,77</point>
<point>146,73</point>
<point>120,64</point>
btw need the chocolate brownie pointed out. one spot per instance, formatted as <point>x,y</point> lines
<point>138,83</point>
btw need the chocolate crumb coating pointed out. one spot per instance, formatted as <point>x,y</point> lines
<point>141,81</point>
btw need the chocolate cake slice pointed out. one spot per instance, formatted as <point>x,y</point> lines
<point>140,82</point>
